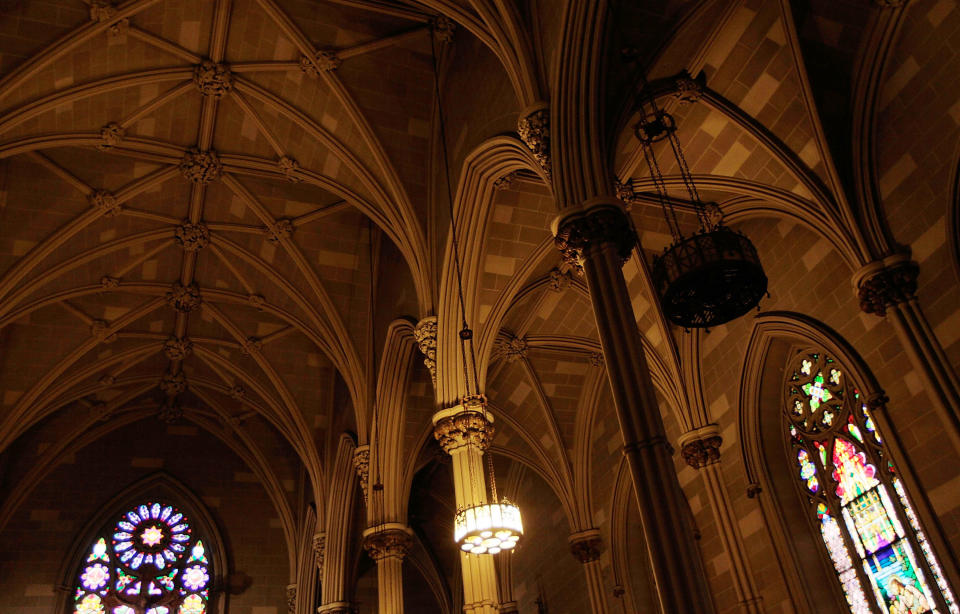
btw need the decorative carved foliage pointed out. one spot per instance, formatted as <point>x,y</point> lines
<point>213,79</point>
<point>102,10</point>
<point>192,237</point>
<point>505,182</point>
<point>256,301</point>
<point>426,335</point>
<point>111,135</point>
<point>170,411</point>
<point>105,202</point>
<point>290,169</point>
<point>560,280</point>
<point>291,598</point>
<point>361,462</point>
<point>200,166</point>
<point>597,360</point>
<point>109,283</point>
<point>173,384</point>
<point>107,380</point>
<point>625,192</point>
<point>319,543</point>
<point>534,130</point>
<point>388,543</point>
<point>714,214</point>
<point>687,89</point>
<point>184,298</point>
<point>578,233</point>
<point>237,392</point>
<point>511,348</point>
<point>279,231</point>
<point>100,330</point>
<point>251,345</point>
<point>888,286</point>
<point>443,28</point>
<point>325,61</point>
<point>587,548</point>
<point>467,428</point>
<point>699,453</point>
<point>177,348</point>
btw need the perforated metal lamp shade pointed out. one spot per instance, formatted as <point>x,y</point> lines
<point>489,528</point>
<point>709,279</point>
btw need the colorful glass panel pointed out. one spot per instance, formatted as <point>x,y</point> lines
<point>151,566</point>
<point>853,474</point>
<point>861,513</point>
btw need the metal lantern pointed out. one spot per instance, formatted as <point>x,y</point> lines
<point>709,279</point>
<point>489,528</point>
<point>713,276</point>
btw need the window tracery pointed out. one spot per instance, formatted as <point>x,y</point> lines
<point>880,553</point>
<point>148,562</point>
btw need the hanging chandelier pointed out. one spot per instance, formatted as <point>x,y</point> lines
<point>486,527</point>
<point>712,276</point>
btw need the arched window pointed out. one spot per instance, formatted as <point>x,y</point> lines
<point>147,562</point>
<point>879,551</point>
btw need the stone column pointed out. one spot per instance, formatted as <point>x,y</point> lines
<point>701,450</point>
<point>586,547</point>
<point>465,432</point>
<point>888,289</point>
<point>598,238</point>
<point>504,565</point>
<point>387,544</point>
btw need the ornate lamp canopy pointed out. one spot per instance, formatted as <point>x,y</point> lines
<point>486,527</point>
<point>714,275</point>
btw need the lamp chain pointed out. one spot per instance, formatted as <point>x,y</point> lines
<point>493,479</point>
<point>466,334</point>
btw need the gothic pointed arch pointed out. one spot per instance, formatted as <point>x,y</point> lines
<point>154,548</point>
<point>814,429</point>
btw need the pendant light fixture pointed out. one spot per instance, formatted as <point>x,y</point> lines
<point>485,526</point>
<point>714,275</point>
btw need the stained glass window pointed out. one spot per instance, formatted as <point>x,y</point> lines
<point>150,562</point>
<point>882,558</point>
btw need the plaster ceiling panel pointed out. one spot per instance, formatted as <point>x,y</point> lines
<point>238,130</point>
<point>562,376</point>
<point>184,23</point>
<point>34,25</point>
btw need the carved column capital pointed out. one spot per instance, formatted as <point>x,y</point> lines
<point>509,607</point>
<point>560,280</point>
<point>586,546</point>
<point>336,607</point>
<point>388,540</point>
<point>291,598</point>
<point>688,89</point>
<point>105,202</point>
<point>534,130</point>
<point>426,335</point>
<point>877,401</point>
<point>466,424</point>
<point>591,226</point>
<point>443,28</point>
<point>361,462</point>
<point>884,283</point>
<point>319,543</point>
<point>701,447</point>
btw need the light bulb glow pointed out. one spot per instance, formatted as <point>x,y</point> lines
<point>488,528</point>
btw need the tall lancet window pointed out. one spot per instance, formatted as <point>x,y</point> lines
<point>148,562</point>
<point>881,556</point>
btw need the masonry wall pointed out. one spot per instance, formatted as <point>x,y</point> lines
<point>35,541</point>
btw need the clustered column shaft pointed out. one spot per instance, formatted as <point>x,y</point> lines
<point>701,450</point>
<point>388,544</point>
<point>465,432</point>
<point>598,238</point>
<point>586,547</point>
